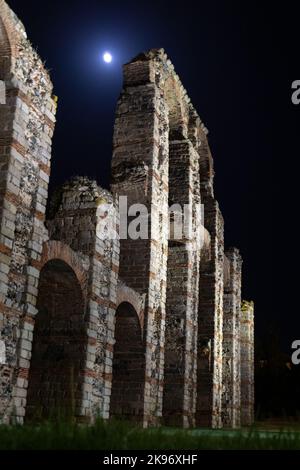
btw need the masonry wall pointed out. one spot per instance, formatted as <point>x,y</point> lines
<point>247,363</point>
<point>155,161</point>
<point>210,323</point>
<point>158,140</point>
<point>140,172</point>
<point>27,117</point>
<point>182,287</point>
<point>231,392</point>
<point>82,215</point>
<point>127,397</point>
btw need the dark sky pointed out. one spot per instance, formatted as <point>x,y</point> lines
<point>237,62</point>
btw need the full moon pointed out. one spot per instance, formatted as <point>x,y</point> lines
<point>107,57</point>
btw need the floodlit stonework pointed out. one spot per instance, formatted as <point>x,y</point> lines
<point>149,329</point>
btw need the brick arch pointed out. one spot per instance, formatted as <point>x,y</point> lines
<point>129,365</point>
<point>177,107</point>
<point>127,295</point>
<point>5,40</point>
<point>206,166</point>
<point>55,380</point>
<point>54,249</point>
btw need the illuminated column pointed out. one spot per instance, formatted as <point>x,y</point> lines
<point>231,393</point>
<point>247,363</point>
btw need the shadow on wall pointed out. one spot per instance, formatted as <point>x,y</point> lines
<point>59,345</point>
<point>127,396</point>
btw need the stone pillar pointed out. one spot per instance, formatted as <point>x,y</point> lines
<point>140,172</point>
<point>210,322</point>
<point>231,392</point>
<point>153,123</point>
<point>85,217</point>
<point>247,363</point>
<point>27,117</point>
<point>182,289</point>
<point>210,316</point>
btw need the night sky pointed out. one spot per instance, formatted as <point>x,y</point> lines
<point>237,62</point>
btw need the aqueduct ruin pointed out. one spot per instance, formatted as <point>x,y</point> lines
<point>151,330</point>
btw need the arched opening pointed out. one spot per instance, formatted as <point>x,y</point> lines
<point>128,381</point>
<point>59,339</point>
<point>5,44</point>
<point>176,106</point>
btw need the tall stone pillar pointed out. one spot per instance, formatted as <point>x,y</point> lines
<point>140,172</point>
<point>247,363</point>
<point>182,288</point>
<point>210,322</point>
<point>231,392</point>
<point>155,160</point>
<point>27,118</point>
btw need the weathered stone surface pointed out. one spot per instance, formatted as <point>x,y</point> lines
<point>231,391</point>
<point>247,363</point>
<point>149,329</point>
<point>27,120</point>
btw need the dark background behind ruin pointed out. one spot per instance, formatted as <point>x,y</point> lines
<point>237,62</point>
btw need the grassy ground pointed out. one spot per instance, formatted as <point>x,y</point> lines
<point>122,436</point>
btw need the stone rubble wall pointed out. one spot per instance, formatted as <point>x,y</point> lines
<point>180,385</point>
<point>231,392</point>
<point>76,215</point>
<point>140,172</point>
<point>210,315</point>
<point>210,322</point>
<point>153,113</point>
<point>247,363</point>
<point>27,121</point>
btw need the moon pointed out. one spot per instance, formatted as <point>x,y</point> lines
<point>107,57</point>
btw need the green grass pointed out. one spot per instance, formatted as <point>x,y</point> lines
<point>123,436</point>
